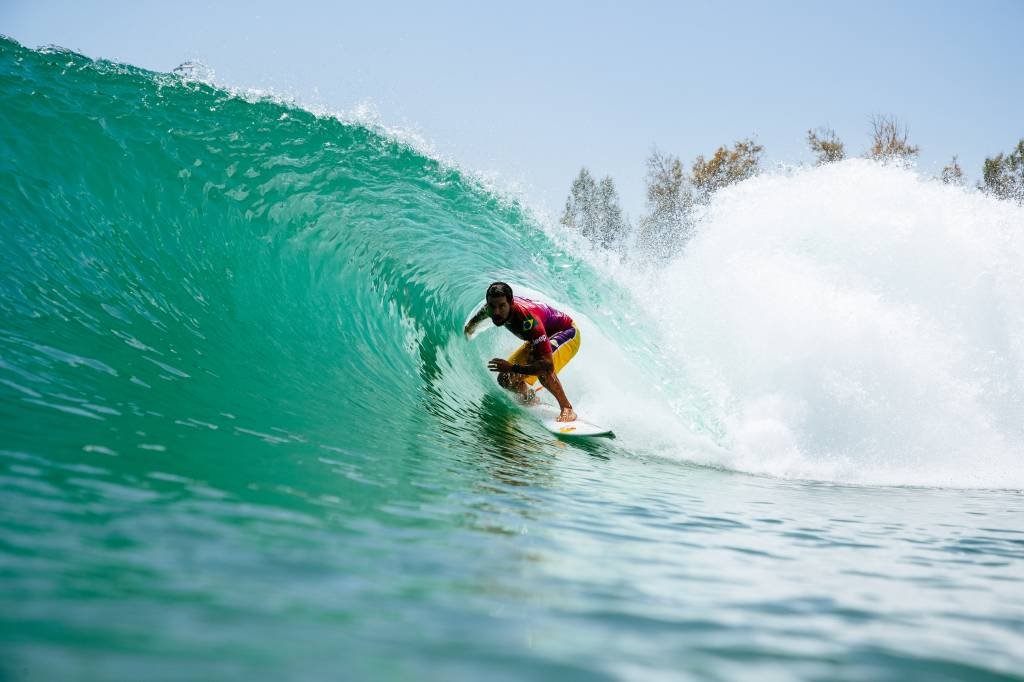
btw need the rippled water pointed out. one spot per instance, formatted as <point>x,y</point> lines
<point>521,562</point>
<point>243,438</point>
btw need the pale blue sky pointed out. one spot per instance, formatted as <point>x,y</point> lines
<point>532,91</point>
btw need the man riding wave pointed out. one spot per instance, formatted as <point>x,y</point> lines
<point>551,337</point>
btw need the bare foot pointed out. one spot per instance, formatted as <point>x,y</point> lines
<point>568,415</point>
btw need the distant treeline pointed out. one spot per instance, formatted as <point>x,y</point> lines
<point>593,209</point>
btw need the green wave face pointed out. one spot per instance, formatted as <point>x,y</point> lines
<point>176,254</point>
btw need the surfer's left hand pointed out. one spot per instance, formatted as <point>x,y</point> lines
<point>499,365</point>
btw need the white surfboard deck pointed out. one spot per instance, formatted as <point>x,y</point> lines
<point>548,415</point>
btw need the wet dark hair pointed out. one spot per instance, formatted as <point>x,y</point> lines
<point>499,289</point>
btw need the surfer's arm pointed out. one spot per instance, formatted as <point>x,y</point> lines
<point>542,365</point>
<point>475,320</point>
<point>535,368</point>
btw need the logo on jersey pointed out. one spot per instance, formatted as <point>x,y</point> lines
<point>528,323</point>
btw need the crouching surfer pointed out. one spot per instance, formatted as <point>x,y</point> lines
<point>551,341</point>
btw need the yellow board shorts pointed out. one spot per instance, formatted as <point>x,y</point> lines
<point>561,355</point>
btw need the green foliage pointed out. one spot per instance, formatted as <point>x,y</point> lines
<point>611,226</point>
<point>725,167</point>
<point>668,192</point>
<point>1003,175</point>
<point>669,199</point>
<point>664,178</point>
<point>826,146</point>
<point>672,193</point>
<point>592,208</point>
<point>581,206</point>
<point>889,140</point>
<point>952,173</point>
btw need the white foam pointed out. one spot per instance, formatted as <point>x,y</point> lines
<point>853,323</point>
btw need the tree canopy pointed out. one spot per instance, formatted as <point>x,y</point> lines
<point>1003,175</point>
<point>889,140</point>
<point>826,146</point>
<point>592,208</point>
<point>726,167</point>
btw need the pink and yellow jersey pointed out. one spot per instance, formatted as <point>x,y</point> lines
<point>539,325</point>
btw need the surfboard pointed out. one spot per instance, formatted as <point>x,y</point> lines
<point>548,415</point>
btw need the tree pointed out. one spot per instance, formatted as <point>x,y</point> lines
<point>725,167</point>
<point>889,140</point>
<point>669,199</point>
<point>952,173</point>
<point>826,146</point>
<point>1003,175</point>
<point>668,192</point>
<point>611,226</point>
<point>593,210</point>
<point>672,194</point>
<point>581,206</point>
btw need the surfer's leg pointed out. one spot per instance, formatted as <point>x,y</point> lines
<point>566,343</point>
<point>550,381</point>
<point>517,383</point>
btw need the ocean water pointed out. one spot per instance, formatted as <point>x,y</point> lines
<point>243,438</point>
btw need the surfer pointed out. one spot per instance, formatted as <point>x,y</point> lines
<point>551,341</point>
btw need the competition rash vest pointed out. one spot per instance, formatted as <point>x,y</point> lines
<point>536,323</point>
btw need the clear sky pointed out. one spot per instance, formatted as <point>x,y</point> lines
<point>530,91</point>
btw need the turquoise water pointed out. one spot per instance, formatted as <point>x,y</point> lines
<point>243,437</point>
